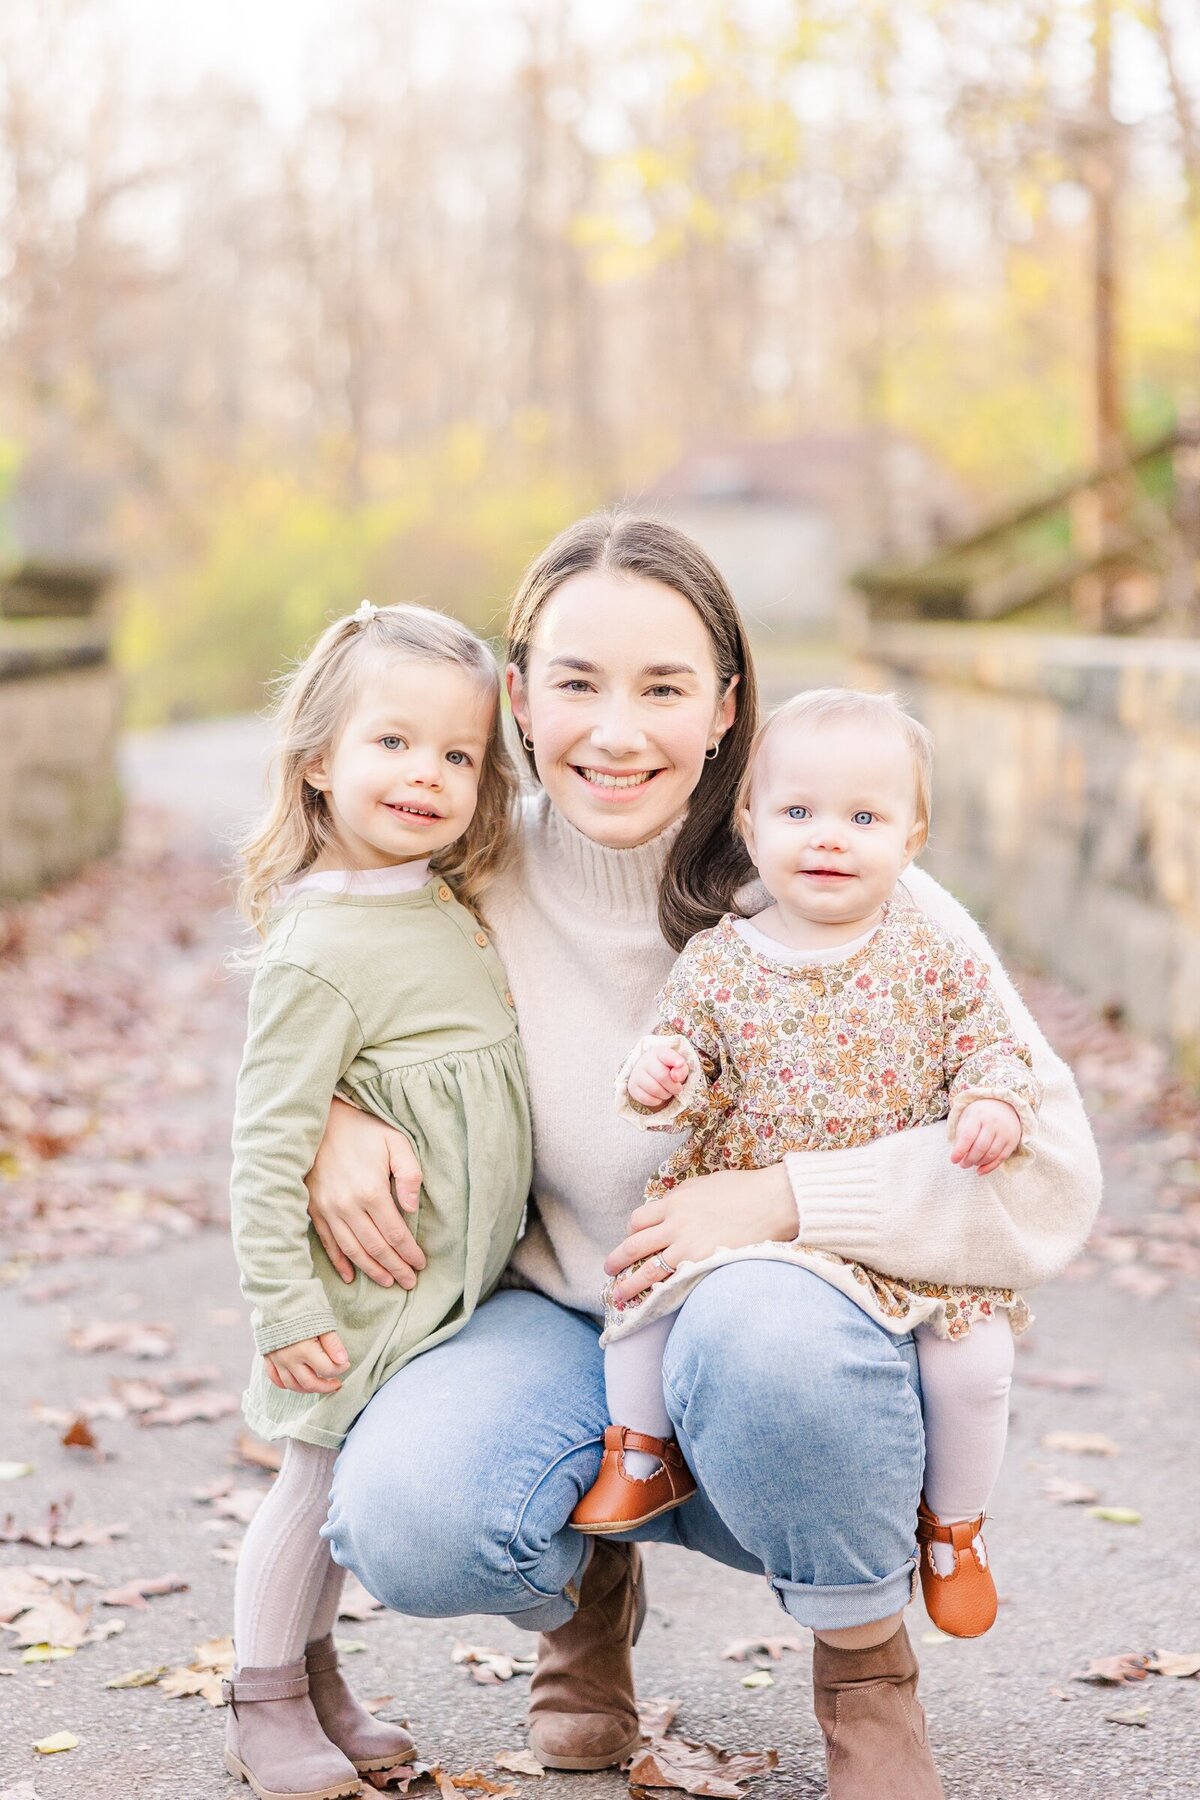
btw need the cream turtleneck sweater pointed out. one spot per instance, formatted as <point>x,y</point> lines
<point>577,926</point>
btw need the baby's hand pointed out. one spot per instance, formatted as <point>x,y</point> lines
<point>658,1075</point>
<point>988,1133</point>
<point>312,1366</point>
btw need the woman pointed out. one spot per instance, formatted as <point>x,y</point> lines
<point>632,686</point>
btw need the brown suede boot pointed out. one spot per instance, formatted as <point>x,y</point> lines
<point>874,1725</point>
<point>370,1743</point>
<point>274,1741</point>
<point>582,1710</point>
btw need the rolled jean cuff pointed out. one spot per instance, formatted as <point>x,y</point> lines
<point>834,1608</point>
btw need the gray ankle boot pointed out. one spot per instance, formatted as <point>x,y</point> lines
<point>370,1743</point>
<point>274,1740</point>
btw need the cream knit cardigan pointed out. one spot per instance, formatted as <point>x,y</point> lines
<point>576,925</point>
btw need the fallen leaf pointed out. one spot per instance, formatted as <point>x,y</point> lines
<point>1115,1515</point>
<point>517,1762</point>
<point>1167,1662</point>
<point>138,1678</point>
<point>488,1667</point>
<point>1069,1493</point>
<point>1080,1443</point>
<point>239,1503</point>
<point>136,1592</point>
<point>149,1342</point>
<point>1062,1694</point>
<point>356,1603</point>
<point>136,1395</point>
<point>742,1649</point>
<point>183,1684</point>
<point>56,1534</point>
<point>656,1715</point>
<point>43,1653</point>
<point>208,1404</point>
<point>1066,1381</point>
<point>51,1746</point>
<point>49,1573</point>
<point>471,1781</point>
<point>52,1621</point>
<point>79,1435</point>
<point>349,1646</point>
<point>13,1471</point>
<point>400,1778</point>
<point>1114,1671</point>
<point>252,1450</point>
<point>1134,1715</point>
<point>760,1678</point>
<point>699,1768</point>
<point>19,1588</point>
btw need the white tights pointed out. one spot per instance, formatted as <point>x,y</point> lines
<point>964,1396</point>
<point>288,1586</point>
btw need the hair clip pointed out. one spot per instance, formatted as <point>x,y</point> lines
<point>365,613</point>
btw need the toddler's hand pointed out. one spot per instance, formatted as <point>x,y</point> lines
<point>988,1133</point>
<point>312,1366</point>
<point>658,1075</point>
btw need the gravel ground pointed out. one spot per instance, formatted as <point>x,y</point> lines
<point>1005,1716</point>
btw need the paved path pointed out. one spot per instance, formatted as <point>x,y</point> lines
<point>1005,1717</point>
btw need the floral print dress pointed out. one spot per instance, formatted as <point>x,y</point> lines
<point>905,1031</point>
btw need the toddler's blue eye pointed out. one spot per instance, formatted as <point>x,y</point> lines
<point>863,818</point>
<point>459,758</point>
<point>797,812</point>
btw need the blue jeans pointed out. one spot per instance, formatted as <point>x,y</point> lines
<point>799,1417</point>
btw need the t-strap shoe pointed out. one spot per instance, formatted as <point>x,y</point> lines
<point>963,1603</point>
<point>618,1501</point>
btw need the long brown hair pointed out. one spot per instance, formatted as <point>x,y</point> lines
<point>312,705</point>
<point>708,861</point>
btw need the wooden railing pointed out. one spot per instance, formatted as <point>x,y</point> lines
<point>1121,542</point>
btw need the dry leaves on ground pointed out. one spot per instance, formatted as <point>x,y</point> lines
<point>149,1342</point>
<point>1114,1671</point>
<point>96,978</point>
<point>672,1762</point>
<point>202,1677</point>
<point>743,1649</point>
<point>1069,1493</point>
<point>488,1667</point>
<point>140,1589</point>
<point>657,1715</point>
<point>54,1533</point>
<point>1080,1443</point>
<point>518,1762</point>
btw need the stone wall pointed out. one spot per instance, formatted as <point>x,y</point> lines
<point>59,798</point>
<point>1067,803</point>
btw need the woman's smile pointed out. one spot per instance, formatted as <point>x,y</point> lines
<point>614,784</point>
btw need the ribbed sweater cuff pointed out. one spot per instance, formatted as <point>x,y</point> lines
<point>839,1200</point>
<point>277,1336</point>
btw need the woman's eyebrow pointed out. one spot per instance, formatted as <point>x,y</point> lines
<point>661,669</point>
<point>572,662</point>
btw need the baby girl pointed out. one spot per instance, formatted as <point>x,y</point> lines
<point>838,1014</point>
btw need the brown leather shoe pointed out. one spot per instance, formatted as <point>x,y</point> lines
<point>274,1741</point>
<point>874,1725</point>
<point>370,1743</point>
<point>617,1500</point>
<point>964,1603</point>
<point>582,1710</point>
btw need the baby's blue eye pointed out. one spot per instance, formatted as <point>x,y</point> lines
<point>863,818</point>
<point>797,812</point>
<point>392,743</point>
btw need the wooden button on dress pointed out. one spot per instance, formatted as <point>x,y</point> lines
<point>444,893</point>
<point>481,939</point>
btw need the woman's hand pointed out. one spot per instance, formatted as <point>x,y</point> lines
<point>311,1366</point>
<point>363,1172</point>
<point>735,1207</point>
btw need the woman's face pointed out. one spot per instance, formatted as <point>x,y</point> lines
<point>621,700</point>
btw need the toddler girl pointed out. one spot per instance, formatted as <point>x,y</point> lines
<point>392,808</point>
<point>833,1017</point>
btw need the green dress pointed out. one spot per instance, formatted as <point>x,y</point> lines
<point>398,1003</point>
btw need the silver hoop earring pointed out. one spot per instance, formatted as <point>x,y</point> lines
<point>527,741</point>
<point>713,751</point>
